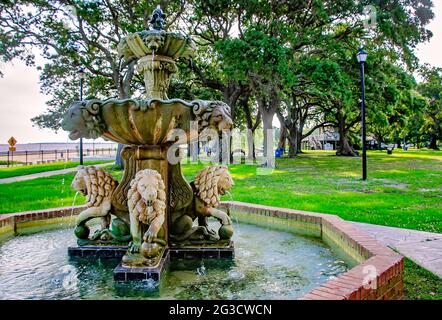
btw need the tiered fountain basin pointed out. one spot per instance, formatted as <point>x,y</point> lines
<point>133,122</point>
<point>372,271</point>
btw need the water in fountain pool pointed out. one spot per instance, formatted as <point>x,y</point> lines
<point>268,264</point>
<point>73,204</point>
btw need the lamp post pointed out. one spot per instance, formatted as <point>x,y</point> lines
<point>362,57</point>
<point>81,75</point>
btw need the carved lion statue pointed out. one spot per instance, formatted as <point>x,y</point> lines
<point>209,185</point>
<point>98,186</point>
<point>83,119</point>
<point>212,114</point>
<point>146,200</point>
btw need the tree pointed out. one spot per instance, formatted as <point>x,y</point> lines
<point>258,56</point>
<point>71,34</point>
<point>431,89</point>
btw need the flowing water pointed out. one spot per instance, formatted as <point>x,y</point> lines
<point>268,264</point>
<point>230,198</point>
<point>63,179</point>
<point>73,203</point>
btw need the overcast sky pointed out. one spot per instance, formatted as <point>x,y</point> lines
<point>20,97</point>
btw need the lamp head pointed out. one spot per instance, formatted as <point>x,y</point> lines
<point>81,73</point>
<point>362,56</point>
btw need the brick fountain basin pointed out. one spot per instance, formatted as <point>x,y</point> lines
<point>376,271</point>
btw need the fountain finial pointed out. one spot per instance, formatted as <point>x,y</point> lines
<point>158,19</point>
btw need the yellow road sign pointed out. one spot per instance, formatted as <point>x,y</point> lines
<point>12,149</point>
<point>12,142</point>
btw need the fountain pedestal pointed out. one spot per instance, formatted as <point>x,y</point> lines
<point>123,273</point>
<point>136,159</point>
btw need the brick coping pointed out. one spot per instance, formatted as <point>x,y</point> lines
<point>378,276</point>
<point>13,219</point>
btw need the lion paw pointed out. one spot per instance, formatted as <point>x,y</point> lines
<point>149,236</point>
<point>134,247</point>
<point>226,221</point>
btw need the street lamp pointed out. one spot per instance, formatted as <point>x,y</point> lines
<point>362,57</point>
<point>81,75</point>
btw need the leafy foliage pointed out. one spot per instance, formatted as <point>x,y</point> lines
<point>293,58</point>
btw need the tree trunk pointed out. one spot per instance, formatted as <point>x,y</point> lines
<point>293,148</point>
<point>230,148</point>
<point>293,143</point>
<point>267,119</point>
<point>344,148</point>
<point>118,160</point>
<point>282,137</point>
<point>433,142</point>
<point>250,126</point>
<point>250,145</point>
<point>220,147</point>
<point>299,142</point>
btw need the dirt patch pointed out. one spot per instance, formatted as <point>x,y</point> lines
<point>373,182</point>
<point>296,169</point>
<point>400,186</point>
<point>430,189</point>
<point>358,190</point>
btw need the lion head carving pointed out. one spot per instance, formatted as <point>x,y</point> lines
<point>212,114</point>
<point>146,196</point>
<point>96,184</point>
<point>154,39</point>
<point>211,183</point>
<point>83,120</point>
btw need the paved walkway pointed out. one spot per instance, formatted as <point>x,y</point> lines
<point>424,248</point>
<point>44,174</point>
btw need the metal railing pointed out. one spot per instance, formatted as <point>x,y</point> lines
<point>25,157</point>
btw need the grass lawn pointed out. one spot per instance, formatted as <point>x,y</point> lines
<point>420,284</point>
<point>5,163</point>
<point>35,168</point>
<point>402,190</point>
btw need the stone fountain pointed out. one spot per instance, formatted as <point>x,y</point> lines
<point>153,213</point>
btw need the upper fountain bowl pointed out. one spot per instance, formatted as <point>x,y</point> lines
<point>156,42</point>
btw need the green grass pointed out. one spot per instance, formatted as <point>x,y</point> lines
<point>5,163</point>
<point>402,190</point>
<point>24,170</point>
<point>420,284</point>
<point>40,193</point>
